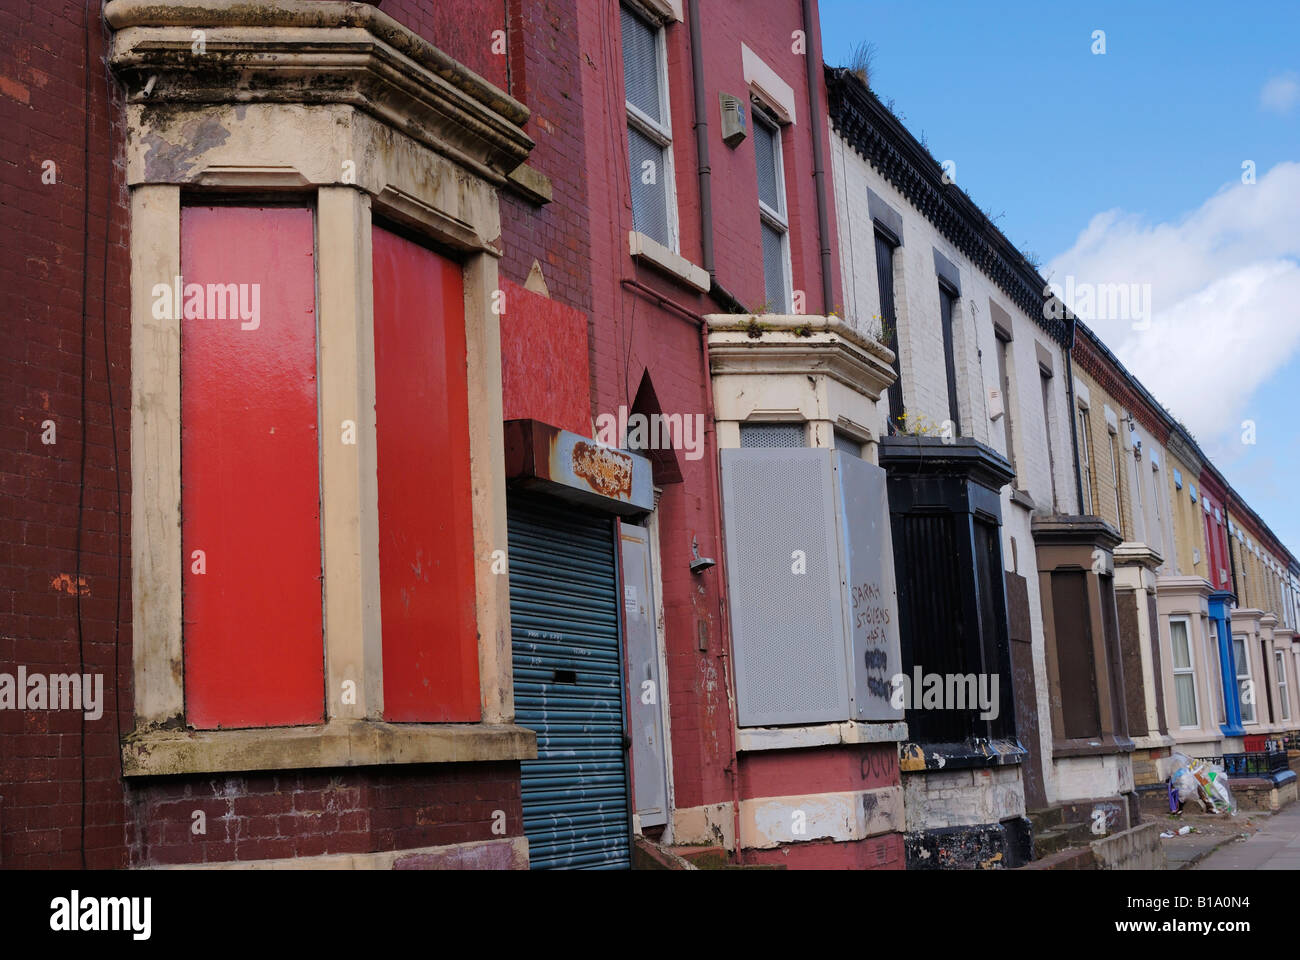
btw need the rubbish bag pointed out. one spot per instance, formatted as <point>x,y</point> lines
<point>1213,783</point>
<point>1205,782</point>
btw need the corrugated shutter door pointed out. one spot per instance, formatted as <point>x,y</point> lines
<point>569,685</point>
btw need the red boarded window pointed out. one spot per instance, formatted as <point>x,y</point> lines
<point>250,477</point>
<point>426,545</point>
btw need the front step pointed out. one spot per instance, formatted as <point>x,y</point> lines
<point>1071,858</point>
<point>1059,838</point>
<point>716,858</point>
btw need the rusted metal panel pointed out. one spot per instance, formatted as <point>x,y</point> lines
<point>577,468</point>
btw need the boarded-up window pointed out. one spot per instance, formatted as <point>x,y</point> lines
<point>426,549</point>
<point>250,480</point>
<point>889,325</point>
<point>811,584</point>
<point>1077,670</point>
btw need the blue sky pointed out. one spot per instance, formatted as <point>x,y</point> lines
<point>1126,167</point>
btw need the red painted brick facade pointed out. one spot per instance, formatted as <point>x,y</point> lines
<point>65,599</point>
<point>61,606</point>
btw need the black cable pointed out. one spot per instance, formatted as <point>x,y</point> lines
<point>81,487</point>
<point>112,415</point>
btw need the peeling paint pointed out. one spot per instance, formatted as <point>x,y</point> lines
<point>165,161</point>
<point>64,584</point>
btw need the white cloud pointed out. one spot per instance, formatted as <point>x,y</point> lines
<point>1225,296</point>
<point>1281,93</point>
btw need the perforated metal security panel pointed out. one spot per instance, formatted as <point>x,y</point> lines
<point>772,435</point>
<point>569,685</point>
<point>870,595</point>
<point>788,625</point>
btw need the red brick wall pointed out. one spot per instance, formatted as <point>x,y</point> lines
<point>302,814</point>
<point>565,64</point>
<point>546,67</point>
<point>634,335</point>
<point>47,247</point>
<point>544,361</point>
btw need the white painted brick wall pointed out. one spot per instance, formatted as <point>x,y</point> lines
<point>1085,778</point>
<point>961,798</point>
<point>925,390</point>
<point>916,294</point>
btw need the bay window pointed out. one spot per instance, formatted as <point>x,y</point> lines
<point>317,465</point>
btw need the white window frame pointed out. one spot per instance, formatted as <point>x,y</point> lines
<point>658,133</point>
<point>777,220</point>
<point>1245,655</point>
<point>1190,669</point>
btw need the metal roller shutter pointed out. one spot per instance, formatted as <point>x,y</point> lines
<point>568,676</point>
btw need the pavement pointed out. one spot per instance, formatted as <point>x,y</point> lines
<point>1274,845</point>
<point>1209,834</point>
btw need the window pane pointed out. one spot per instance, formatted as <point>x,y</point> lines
<point>1186,689</point>
<point>1245,689</point>
<point>765,151</point>
<point>774,269</point>
<point>771,435</point>
<point>649,186</point>
<point>641,65</point>
<point>1182,656</point>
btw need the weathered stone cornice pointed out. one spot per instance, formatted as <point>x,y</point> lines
<point>317,52</point>
<point>798,344</point>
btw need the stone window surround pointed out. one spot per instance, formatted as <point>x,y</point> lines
<point>1086,545</point>
<point>361,152</point>
<point>807,369</point>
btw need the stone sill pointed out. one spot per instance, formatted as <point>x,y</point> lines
<point>674,265</point>
<point>339,743</point>
<point>1023,499</point>
<point>934,757</point>
<point>1090,747</point>
<point>819,735</point>
<point>1157,741</point>
<point>531,184</point>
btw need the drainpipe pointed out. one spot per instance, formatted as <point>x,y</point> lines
<point>718,292</point>
<point>1074,429</point>
<point>722,296</point>
<point>813,57</point>
<point>702,140</point>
